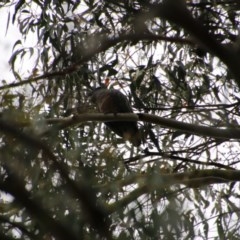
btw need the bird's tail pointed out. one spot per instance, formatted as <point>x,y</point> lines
<point>135,137</point>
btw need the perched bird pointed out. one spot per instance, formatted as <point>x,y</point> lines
<point>113,101</point>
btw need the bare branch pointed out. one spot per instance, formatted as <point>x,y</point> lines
<point>227,133</point>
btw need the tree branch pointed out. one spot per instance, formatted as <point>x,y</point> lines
<point>176,12</point>
<point>174,158</point>
<point>149,183</point>
<point>94,211</point>
<point>228,133</point>
<point>104,44</point>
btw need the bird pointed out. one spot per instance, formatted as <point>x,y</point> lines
<point>113,101</point>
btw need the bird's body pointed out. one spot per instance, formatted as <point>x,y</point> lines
<point>113,101</point>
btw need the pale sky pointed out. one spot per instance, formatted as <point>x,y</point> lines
<point>7,41</point>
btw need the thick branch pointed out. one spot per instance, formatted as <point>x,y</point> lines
<point>176,12</point>
<point>148,183</point>
<point>198,177</point>
<point>95,213</point>
<point>104,43</point>
<point>206,177</point>
<point>15,186</point>
<point>228,133</point>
